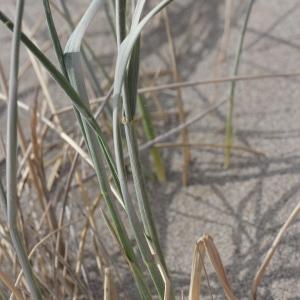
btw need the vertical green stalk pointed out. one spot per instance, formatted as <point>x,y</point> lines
<point>11,167</point>
<point>129,103</point>
<point>159,167</point>
<point>229,121</point>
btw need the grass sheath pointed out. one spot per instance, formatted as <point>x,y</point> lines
<point>11,168</point>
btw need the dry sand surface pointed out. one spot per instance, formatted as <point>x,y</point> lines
<point>242,207</point>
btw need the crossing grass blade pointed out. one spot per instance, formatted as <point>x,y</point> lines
<point>58,77</point>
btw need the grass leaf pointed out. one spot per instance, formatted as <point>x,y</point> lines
<point>229,120</point>
<point>11,152</point>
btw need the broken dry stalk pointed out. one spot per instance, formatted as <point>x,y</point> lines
<point>261,271</point>
<point>206,245</point>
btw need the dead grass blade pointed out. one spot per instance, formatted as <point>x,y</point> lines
<point>196,273</point>
<point>164,275</point>
<point>109,290</point>
<point>261,271</point>
<point>203,246</point>
<point>9,284</point>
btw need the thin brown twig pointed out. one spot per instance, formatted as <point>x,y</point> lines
<point>208,146</point>
<point>179,103</point>
<point>261,271</point>
<point>185,84</point>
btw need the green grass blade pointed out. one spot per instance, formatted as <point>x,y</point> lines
<point>58,51</point>
<point>54,36</point>
<point>3,196</point>
<point>87,50</point>
<point>134,221</point>
<point>124,56</point>
<point>128,44</point>
<point>11,166</point>
<point>72,61</point>
<point>229,120</point>
<point>131,82</point>
<point>120,9</point>
<point>137,13</point>
<point>159,167</point>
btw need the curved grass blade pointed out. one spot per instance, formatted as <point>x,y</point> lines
<point>11,167</point>
<point>128,44</point>
<point>131,82</point>
<point>229,120</point>
<point>72,61</point>
<point>134,221</point>
<point>137,13</point>
<point>90,51</point>
<point>124,55</point>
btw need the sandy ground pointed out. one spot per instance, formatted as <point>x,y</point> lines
<point>243,207</point>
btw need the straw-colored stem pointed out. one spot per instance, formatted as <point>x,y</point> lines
<point>178,100</point>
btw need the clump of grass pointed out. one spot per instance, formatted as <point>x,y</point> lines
<point>72,81</point>
<point>108,153</point>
